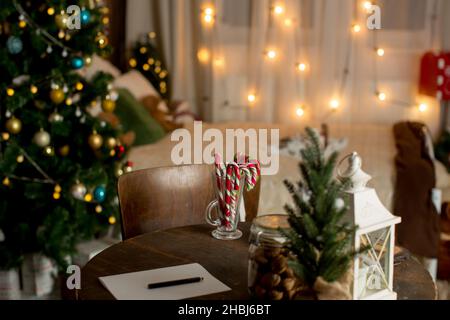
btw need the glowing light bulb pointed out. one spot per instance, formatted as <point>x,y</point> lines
<point>208,15</point>
<point>300,111</point>
<point>271,54</point>
<point>381,96</point>
<point>132,62</point>
<point>335,104</point>
<point>288,22</point>
<point>367,5</point>
<point>423,107</point>
<point>251,97</point>
<point>10,92</point>
<point>356,28</point>
<point>209,11</point>
<point>219,62</point>
<point>380,52</point>
<point>278,9</point>
<point>301,66</point>
<point>203,55</point>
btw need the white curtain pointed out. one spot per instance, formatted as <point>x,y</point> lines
<point>319,35</point>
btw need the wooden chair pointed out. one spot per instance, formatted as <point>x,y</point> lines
<point>170,197</point>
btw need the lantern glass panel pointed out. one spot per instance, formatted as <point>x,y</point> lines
<point>374,273</point>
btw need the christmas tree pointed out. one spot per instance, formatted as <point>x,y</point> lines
<point>147,59</point>
<point>58,164</point>
<point>319,239</point>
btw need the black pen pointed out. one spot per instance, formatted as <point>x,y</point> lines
<point>174,283</point>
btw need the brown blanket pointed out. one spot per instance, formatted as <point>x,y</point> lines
<point>419,230</point>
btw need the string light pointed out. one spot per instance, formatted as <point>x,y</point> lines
<point>79,86</point>
<point>10,92</point>
<point>423,107</point>
<point>143,50</point>
<point>88,197</point>
<point>367,5</point>
<point>112,220</point>
<point>300,111</point>
<point>6,182</point>
<point>219,62</point>
<point>380,52</point>
<point>271,54</point>
<point>20,158</point>
<point>132,62</point>
<point>33,89</point>
<point>356,28</point>
<point>334,104</point>
<point>381,96</point>
<point>203,55</point>
<point>98,209</point>
<point>288,22</point>
<point>278,9</point>
<point>208,15</point>
<point>251,97</point>
<point>50,11</point>
<point>301,66</point>
<point>146,67</point>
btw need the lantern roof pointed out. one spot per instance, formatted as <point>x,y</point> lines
<point>367,211</point>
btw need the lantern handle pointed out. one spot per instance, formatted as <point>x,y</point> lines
<point>358,178</point>
<point>355,163</point>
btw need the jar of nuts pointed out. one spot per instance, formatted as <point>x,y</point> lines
<point>269,275</point>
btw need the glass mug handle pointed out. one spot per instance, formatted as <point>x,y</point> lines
<point>209,218</point>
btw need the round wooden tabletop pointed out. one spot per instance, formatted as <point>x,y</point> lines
<point>226,260</point>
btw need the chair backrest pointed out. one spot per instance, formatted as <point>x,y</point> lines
<point>170,197</point>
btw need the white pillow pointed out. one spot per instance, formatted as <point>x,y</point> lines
<point>100,64</point>
<point>139,87</point>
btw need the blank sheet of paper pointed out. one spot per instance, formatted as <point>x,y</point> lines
<point>133,286</point>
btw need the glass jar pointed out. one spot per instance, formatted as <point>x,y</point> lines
<point>269,275</point>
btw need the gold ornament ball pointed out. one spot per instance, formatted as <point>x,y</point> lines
<point>108,105</point>
<point>42,138</point>
<point>57,96</point>
<point>61,20</point>
<point>14,125</point>
<point>95,141</point>
<point>64,150</point>
<point>111,142</point>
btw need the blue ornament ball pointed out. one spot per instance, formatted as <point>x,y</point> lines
<point>100,194</point>
<point>14,45</point>
<point>85,16</point>
<point>77,62</point>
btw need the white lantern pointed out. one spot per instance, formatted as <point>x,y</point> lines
<point>374,269</point>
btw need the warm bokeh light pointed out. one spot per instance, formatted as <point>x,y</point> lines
<point>219,62</point>
<point>367,5</point>
<point>301,66</point>
<point>380,52</point>
<point>335,104</point>
<point>300,111</point>
<point>278,9</point>
<point>288,22</point>
<point>271,54</point>
<point>203,55</point>
<point>356,28</point>
<point>423,107</point>
<point>251,97</point>
<point>208,15</point>
<point>381,96</point>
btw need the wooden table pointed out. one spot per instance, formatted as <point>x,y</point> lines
<point>226,260</point>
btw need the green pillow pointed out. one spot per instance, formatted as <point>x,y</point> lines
<point>134,117</point>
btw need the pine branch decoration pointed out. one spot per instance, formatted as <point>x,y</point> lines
<point>319,240</point>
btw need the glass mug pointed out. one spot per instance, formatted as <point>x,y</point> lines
<point>226,226</point>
